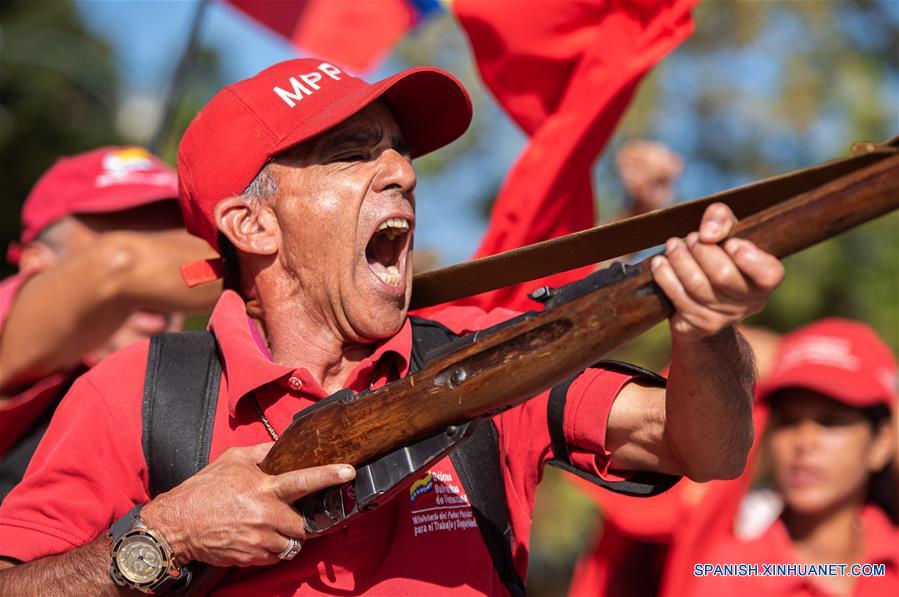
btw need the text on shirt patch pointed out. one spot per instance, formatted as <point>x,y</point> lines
<point>439,505</point>
<point>307,84</point>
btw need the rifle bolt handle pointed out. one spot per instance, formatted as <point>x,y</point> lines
<point>458,376</point>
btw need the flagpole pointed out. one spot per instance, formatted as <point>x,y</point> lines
<point>179,77</point>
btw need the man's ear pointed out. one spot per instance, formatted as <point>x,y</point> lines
<point>36,257</point>
<point>251,226</point>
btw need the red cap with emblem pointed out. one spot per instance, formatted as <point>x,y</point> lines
<point>842,359</point>
<point>249,122</point>
<point>103,180</point>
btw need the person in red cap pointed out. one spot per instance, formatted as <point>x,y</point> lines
<point>301,177</point>
<point>814,527</point>
<point>102,238</point>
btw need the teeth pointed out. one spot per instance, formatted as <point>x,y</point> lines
<point>391,277</point>
<point>396,223</point>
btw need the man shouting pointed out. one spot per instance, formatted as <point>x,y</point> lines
<point>302,178</point>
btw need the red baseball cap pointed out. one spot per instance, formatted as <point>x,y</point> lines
<point>103,180</point>
<point>247,123</point>
<point>842,359</point>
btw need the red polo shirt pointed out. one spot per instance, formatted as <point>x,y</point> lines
<point>90,469</point>
<point>23,407</point>
<point>774,546</point>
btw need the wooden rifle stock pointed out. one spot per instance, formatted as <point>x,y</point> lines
<point>499,368</point>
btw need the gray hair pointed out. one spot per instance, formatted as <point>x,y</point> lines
<point>263,186</point>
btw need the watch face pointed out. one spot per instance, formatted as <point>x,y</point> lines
<point>140,559</point>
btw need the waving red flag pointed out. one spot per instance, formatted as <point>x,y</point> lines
<point>354,33</point>
<point>565,71</point>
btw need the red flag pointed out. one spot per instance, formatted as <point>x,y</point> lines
<point>565,71</point>
<point>354,33</point>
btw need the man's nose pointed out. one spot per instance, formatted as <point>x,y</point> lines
<point>395,171</point>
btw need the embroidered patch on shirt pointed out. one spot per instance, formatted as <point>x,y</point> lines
<point>439,504</point>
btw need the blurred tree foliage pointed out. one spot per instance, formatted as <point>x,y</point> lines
<point>204,79</point>
<point>60,93</point>
<point>58,89</point>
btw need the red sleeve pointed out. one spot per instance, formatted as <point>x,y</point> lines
<point>587,409</point>
<point>22,409</point>
<point>89,469</point>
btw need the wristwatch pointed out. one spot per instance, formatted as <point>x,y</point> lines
<point>142,559</point>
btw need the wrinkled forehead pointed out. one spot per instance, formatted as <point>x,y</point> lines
<point>373,125</point>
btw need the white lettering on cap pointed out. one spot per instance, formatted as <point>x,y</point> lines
<point>330,70</point>
<point>298,92</point>
<point>820,350</point>
<point>311,79</point>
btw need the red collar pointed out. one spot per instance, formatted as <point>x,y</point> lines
<point>880,545</point>
<point>247,368</point>
<point>881,537</point>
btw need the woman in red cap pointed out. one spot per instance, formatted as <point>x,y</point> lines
<point>815,527</point>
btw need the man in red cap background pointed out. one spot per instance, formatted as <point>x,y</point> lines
<point>301,177</point>
<point>102,238</point>
<point>828,440</point>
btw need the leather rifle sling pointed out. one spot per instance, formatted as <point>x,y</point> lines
<point>630,235</point>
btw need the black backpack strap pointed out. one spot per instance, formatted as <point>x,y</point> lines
<point>180,396</point>
<point>427,335</point>
<point>480,471</point>
<point>640,484</point>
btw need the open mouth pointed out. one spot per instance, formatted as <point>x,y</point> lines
<point>387,249</point>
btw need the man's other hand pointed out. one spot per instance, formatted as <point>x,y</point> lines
<point>233,514</point>
<point>714,286</point>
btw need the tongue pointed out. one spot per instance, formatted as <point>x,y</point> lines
<point>381,254</point>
